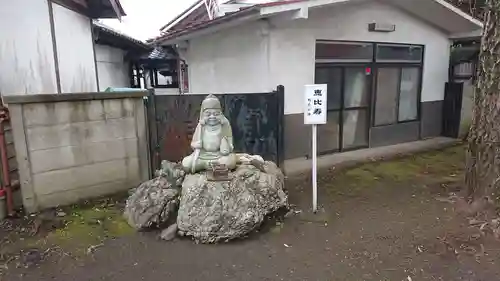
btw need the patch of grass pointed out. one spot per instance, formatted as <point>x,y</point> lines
<point>83,227</point>
<point>87,226</point>
<point>401,170</point>
<point>436,166</point>
<point>362,174</point>
<point>447,160</point>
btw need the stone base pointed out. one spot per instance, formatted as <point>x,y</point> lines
<point>223,210</point>
<point>151,204</point>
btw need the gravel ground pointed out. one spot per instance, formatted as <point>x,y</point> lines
<point>379,221</point>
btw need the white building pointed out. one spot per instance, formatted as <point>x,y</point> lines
<point>117,58</point>
<point>385,62</point>
<point>47,47</point>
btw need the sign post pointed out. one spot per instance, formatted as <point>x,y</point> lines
<point>315,112</point>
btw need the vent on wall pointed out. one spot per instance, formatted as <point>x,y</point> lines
<point>381,27</point>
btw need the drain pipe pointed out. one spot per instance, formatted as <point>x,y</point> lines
<point>3,209</point>
<point>6,184</point>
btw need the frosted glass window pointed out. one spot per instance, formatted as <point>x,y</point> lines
<point>408,97</point>
<point>356,89</point>
<point>387,96</point>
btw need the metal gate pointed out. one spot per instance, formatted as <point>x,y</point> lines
<point>256,120</point>
<point>452,109</point>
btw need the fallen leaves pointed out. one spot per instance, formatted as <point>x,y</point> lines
<point>92,248</point>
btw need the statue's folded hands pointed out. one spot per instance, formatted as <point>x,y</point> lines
<point>225,147</point>
<point>196,145</point>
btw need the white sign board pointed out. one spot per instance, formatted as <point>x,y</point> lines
<point>315,104</point>
<point>315,114</point>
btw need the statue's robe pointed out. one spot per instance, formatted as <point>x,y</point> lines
<point>211,144</point>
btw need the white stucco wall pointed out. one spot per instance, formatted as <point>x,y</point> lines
<point>233,60</point>
<point>75,51</point>
<point>112,69</point>
<point>296,39</point>
<point>26,54</point>
<point>249,59</point>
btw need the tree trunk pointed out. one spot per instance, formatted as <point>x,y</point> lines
<point>483,155</point>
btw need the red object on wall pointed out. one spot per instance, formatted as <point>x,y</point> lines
<point>368,70</point>
<point>6,182</point>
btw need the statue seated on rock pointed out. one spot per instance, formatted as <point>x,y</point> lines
<point>212,141</point>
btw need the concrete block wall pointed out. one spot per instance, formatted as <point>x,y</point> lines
<point>71,147</point>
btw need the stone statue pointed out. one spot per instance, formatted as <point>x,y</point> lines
<point>212,140</point>
<point>242,187</point>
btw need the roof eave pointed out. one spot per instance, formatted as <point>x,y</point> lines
<point>463,14</point>
<point>260,11</point>
<point>108,9</point>
<point>118,8</point>
<point>107,36</point>
<point>467,35</point>
<point>182,15</point>
<point>212,26</point>
<point>256,11</point>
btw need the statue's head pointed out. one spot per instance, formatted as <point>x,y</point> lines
<point>211,111</point>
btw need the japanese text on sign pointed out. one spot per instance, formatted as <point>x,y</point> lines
<point>315,104</point>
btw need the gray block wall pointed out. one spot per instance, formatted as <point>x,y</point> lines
<point>78,146</point>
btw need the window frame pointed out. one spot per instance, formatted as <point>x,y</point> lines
<point>400,67</point>
<point>344,60</point>
<point>375,65</point>
<point>397,64</point>
<point>377,60</point>
<point>342,109</point>
<point>419,87</point>
<point>375,92</point>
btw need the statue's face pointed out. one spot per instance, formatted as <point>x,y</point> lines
<point>212,117</point>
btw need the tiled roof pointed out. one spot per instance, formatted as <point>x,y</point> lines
<point>113,32</point>
<point>197,16</point>
<point>203,24</point>
<point>160,53</point>
<point>182,14</point>
<point>193,25</point>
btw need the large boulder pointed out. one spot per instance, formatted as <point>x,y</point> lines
<point>210,211</point>
<point>151,204</point>
<point>173,172</point>
<point>156,200</point>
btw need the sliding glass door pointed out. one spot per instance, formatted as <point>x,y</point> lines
<point>396,95</point>
<point>369,85</point>
<point>398,71</point>
<point>348,107</point>
<point>329,134</point>
<point>355,111</point>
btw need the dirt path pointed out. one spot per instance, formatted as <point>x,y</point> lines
<point>380,221</point>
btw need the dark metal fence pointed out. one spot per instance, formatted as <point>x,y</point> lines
<point>256,120</point>
<point>452,109</point>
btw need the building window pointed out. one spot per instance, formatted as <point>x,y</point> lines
<point>408,95</point>
<point>397,95</point>
<point>387,96</point>
<point>399,53</point>
<point>332,76</point>
<point>347,69</point>
<point>327,51</point>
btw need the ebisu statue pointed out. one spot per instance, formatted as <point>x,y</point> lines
<point>212,141</point>
<point>215,193</point>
